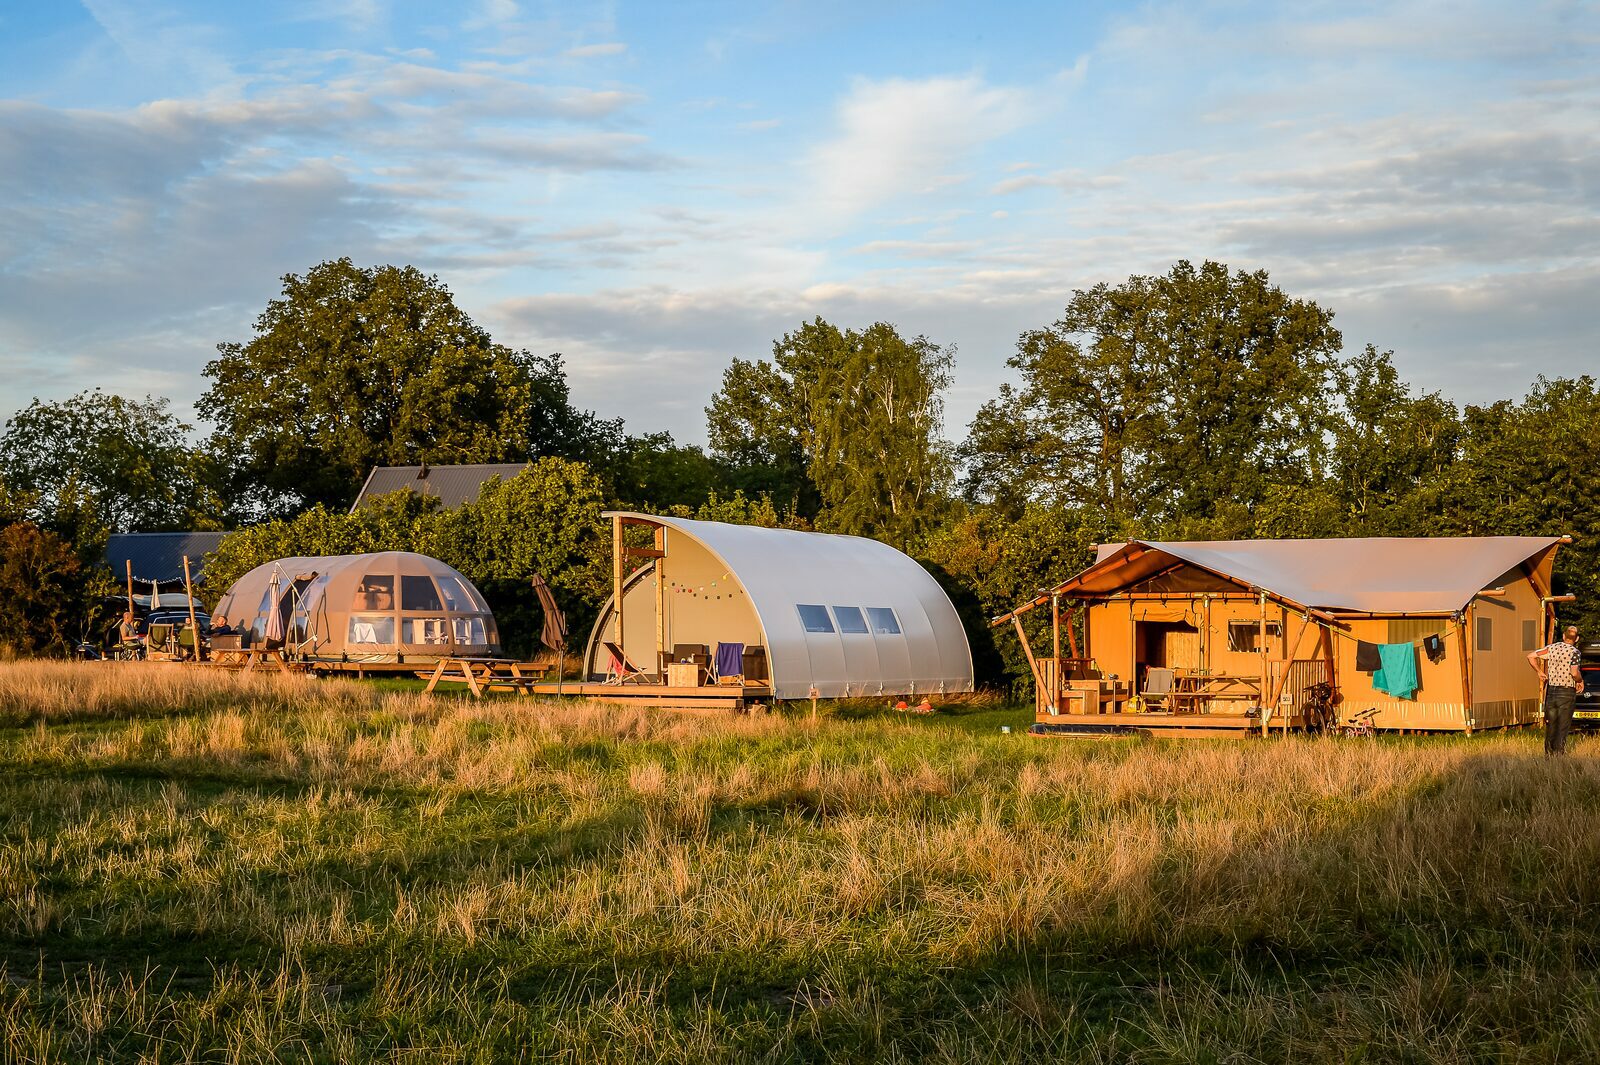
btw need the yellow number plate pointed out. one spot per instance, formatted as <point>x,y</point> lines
<point>1587,714</point>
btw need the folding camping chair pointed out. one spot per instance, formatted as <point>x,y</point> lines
<point>1157,686</point>
<point>620,669</point>
<point>728,665</point>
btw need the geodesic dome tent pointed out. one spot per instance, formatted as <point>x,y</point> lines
<point>384,607</point>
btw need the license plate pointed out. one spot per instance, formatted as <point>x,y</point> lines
<point>1588,715</point>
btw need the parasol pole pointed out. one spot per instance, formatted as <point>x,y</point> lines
<point>188,593</point>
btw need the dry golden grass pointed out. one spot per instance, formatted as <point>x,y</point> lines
<point>187,856</point>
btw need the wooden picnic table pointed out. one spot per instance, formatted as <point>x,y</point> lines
<point>1197,689</point>
<point>481,674</point>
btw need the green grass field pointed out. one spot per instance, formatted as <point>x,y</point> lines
<point>216,868</point>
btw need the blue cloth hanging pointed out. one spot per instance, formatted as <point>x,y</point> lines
<point>1398,674</point>
<point>730,659</point>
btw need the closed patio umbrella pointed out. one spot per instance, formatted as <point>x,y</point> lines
<point>274,614</point>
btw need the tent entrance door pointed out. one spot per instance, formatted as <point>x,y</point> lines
<point>1165,645</point>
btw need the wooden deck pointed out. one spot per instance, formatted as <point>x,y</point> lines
<point>1170,724</point>
<point>722,697</point>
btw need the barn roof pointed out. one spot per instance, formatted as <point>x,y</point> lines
<point>159,556</point>
<point>1377,575</point>
<point>451,485</point>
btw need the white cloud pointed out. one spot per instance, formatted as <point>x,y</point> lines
<point>899,138</point>
<point>592,51</point>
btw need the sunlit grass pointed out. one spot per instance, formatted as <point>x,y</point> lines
<point>288,869</point>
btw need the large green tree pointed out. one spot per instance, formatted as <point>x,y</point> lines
<point>1168,402</point>
<point>98,462</point>
<point>42,592</point>
<point>360,366</point>
<point>860,412</point>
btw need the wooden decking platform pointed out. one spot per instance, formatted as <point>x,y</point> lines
<point>721,697</point>
<point>1168,724</point>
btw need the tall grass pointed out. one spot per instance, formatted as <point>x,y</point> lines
<point>323,871</point>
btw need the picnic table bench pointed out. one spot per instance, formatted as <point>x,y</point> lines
<point>481,674</point>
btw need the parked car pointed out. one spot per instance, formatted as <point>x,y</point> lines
<point>1586,713</point>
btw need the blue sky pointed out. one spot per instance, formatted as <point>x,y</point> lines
<point>655,189</point>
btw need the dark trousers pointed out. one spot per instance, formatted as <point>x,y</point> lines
<point>1558,704</point>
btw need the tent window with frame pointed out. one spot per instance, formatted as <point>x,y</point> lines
<point>1246,635</point>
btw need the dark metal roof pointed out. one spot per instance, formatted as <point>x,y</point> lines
<point>452,485</point>
<point>159,556</point>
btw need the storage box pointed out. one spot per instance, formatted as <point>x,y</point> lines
<point>684,674</point>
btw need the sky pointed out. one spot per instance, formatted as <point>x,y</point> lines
<point>656,189</point>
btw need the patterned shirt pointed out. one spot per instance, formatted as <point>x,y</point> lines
<point>1559,659</point>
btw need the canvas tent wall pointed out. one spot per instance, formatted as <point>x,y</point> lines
<point>1290,613</point>
<point>843,615</point>
<point>370,608</point>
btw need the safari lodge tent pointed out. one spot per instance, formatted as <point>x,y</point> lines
<point>776,613</point>
<point>1415,634</point>
<point>390,608</point>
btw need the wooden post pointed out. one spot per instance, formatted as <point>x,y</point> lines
<point>1055,634</point>
<point>1261,645</point>
<point>618,562</point>
<point>1466,670</point>
<point>194,629</point>
<point>1038,677</point>
<point>1283,680</point>
<point>1072,634</point>
<point>661,592</point>
<point>130,583</point>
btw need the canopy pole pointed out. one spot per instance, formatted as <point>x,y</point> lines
<point>1055,637</point>
<point>194,629</point>
<point>130,585</point>
<point>1027,649</point>
<point>1261,645</point>
<point>661,593</point>
<point>1466,671</point>
<point>617,563</point>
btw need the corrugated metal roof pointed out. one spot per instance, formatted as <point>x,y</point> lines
<point>159,556</point>
<point>782,568</point>
<point>1379,575</point>
<point>451,485</point>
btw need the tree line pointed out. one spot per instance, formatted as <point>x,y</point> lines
<point>1202,403</point>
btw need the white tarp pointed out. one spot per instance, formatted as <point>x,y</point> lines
<point>781,569</point>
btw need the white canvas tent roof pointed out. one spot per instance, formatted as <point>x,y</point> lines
<point>1374,575</point>
<point>781,568</point>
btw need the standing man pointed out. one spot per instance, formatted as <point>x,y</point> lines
<point>1558,669</point>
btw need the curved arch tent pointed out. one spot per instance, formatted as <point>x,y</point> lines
<point>372,608</point>
<point>843,615</point>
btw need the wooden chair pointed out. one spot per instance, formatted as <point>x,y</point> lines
<point>620,669</point>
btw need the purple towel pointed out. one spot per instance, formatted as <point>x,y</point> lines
<point>730,659</point>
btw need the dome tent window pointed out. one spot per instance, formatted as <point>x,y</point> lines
<point>377,630</point>
<point>427,630</point>
<point>469,632</point>
<point>418,593</point>
<point>375,593</point>
<point>457,599</point>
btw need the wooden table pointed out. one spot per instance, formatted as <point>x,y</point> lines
<point>1191,690</point>
<point>481,674</point>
